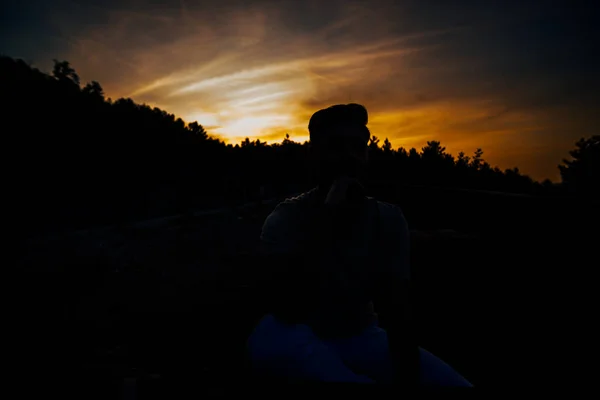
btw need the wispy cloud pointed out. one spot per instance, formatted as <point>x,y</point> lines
<point>470,77</point>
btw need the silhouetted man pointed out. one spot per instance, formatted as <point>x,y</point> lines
<point>337,265</point>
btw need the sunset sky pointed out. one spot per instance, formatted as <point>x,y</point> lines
<point>518,78</point>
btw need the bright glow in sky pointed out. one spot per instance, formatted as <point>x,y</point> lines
<point>468,75</point>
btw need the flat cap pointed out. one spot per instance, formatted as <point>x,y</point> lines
<point>333,120</point>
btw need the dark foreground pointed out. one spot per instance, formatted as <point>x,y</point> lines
<point>501,293</point>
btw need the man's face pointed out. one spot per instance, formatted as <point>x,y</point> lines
<point>341,154</point>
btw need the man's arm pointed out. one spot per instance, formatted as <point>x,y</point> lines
<point>394,297</point>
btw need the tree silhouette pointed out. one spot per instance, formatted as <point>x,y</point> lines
<point>89,160</point>
<point>477,160</point>
<point>414,155</point>
<point>93,89</point>
<point>373,143</point>
<point>197,130</point>
<point>63,72</point>
<point>387,146</point>
<point>433,150</point>
<point>463,161</point>
<point>402,153</point>
<point>582,173</point>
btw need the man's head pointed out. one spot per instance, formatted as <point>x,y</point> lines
<point>338,142</point>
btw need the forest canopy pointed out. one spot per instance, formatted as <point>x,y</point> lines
<point>79,156</point>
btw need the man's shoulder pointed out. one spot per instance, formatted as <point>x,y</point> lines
<point>302,199</point>
<point>389,210</point>
<point>391,217</point>
<point>288,212</point>
<point>294,205</point>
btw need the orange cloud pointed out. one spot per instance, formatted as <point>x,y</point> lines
<point>252,72</point>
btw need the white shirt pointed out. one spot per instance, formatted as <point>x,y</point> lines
<point>346,259</point>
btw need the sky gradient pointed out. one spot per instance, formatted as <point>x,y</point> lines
<point>517,78</point>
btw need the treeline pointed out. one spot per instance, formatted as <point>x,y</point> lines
<point>78,158</point>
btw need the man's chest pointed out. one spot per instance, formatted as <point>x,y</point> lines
<point>329,238</point>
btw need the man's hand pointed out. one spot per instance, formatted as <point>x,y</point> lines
<point>340,191</point>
